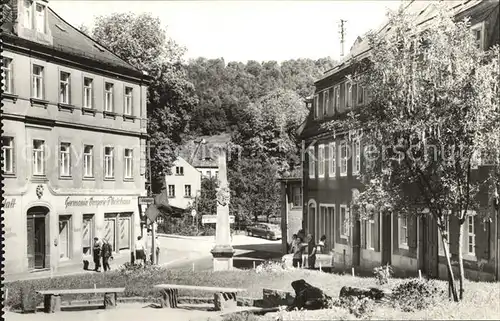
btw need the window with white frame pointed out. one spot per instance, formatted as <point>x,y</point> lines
<point>109,166</point>
<point>316,106</point>
<point>344,222</point>
<point>171,190</point>
<point>326,101</point>
<point>8,155</point>
<point>65,159</point>
<point>332,152</point>
<point>446,222</point>
<point>38,157</point>
<point>8,83</point>
<point>321,161</point>
<point>343,158</point>
<point>348,94</point>
<point>179,170</point>
<point>128,101</point>
<point>187,190</point>
<point>478,32</point>
<point>312,162</point>
<point>28,14</point>
<point>108,96</point>
<point>369,229</point>
<point>360,96</point>
<point>356,159</point>
<point>129,159</point>
<point>88,92</point>
<point>471,235</point>
<point>403,232</point>
<point>37,82</point>
<point>88,161</point>
<point>40,17</point>
<point>64,87</point>
<point>336,95</point>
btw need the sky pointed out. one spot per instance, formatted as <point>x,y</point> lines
<point>247,30</point>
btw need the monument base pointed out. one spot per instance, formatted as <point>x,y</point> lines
<point>222,257</point>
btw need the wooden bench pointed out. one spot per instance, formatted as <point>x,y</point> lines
<point>223,297</point>
<point>52,298</point>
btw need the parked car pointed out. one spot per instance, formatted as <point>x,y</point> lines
<point>274,219</point>
<point>265,230</point>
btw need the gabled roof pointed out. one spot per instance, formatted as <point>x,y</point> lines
<point>425,11</point>
<point>69,40</point>
<point>202,154</point>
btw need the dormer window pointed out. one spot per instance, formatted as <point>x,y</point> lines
<point>34,15</point>
<point>40,18</point>
<point>28,14</point>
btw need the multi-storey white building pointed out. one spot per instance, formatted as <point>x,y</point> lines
<point>73,142</point>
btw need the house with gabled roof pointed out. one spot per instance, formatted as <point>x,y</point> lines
<point>331,175</point>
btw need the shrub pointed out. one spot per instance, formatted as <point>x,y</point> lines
<point>270,267</point>
<point>416,294</point>
<point>383,274</point>
<point>360,308</point>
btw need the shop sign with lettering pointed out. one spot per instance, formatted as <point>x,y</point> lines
<point>9,203</point>
<point>96,201</point>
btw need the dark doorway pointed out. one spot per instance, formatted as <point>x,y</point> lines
<point>386,238</point>
<point>37,232</point>
<point>430,254</point>
<point>356,243</point>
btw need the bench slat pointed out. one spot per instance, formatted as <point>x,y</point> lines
<point>198,288</point>
<point>81,291</point>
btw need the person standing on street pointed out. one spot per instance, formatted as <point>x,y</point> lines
<point>157,245</point>
<point>97,254</point>
<point>106,255</point>
<point>298,252</point>
<point>311,250</point>
<point>140,253</point>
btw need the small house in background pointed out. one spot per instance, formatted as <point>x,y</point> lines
<point>183,184</point>
<point>291,208</point>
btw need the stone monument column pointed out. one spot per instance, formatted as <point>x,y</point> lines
<point>223,251</point>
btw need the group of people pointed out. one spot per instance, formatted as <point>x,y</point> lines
<point>297,248</point>
<point>102,250</point>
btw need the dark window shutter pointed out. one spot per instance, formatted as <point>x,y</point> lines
<point>376,232</point>
<point>482,232</point>
<point>395,234</point>
<point>453,237</point>
<point>412,231</point>
<point>363,234</point>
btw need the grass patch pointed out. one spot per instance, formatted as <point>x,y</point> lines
<point>481,298</point>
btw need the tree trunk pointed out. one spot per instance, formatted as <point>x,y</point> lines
<point>461,260</point>
<point>451,277</point>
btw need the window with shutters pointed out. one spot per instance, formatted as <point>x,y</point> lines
<point>326,102</point>
<point>343,159</point>
<point>470,236</point>
<point>478,32</point>
<point>312,162</point>
<point>369,237</point>
<point>348,95</point>
<point>321,161</point>
<point>403,232</point>
<point>336,97</point>
<point>332,153</point>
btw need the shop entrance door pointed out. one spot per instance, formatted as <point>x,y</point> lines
<point>36,232</point>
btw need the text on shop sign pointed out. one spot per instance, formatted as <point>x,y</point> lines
<point>96,202</point>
